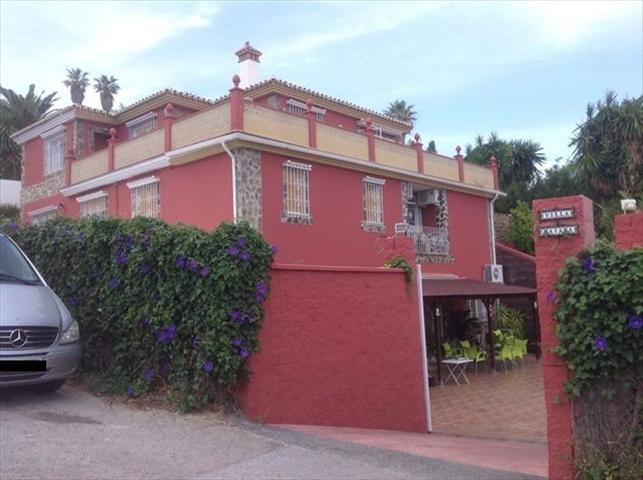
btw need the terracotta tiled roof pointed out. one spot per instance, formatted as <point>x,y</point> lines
<point>277,81</point>
<point>165,91</point>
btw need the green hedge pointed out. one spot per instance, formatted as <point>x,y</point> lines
<point>160,307</point>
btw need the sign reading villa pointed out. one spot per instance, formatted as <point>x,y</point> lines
<point>557,214</point>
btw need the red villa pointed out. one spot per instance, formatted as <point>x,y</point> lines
<point>325,180</point>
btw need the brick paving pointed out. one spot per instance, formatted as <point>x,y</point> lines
<point>506,405</point>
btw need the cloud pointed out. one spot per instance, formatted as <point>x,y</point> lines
<point>348,21</point>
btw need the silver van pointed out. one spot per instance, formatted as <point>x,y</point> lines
<point>39,340</point>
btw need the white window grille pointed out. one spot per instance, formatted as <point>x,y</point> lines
<point>146,197</point>
<point>300,108</point>
<point>373,198</point>
<point>93,205</point>
<point>296,185</point>
<point>43,214</point>
<point>54,150</point>
<point>141,125</point>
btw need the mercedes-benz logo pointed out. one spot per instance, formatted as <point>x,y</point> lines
<point>18,338</point>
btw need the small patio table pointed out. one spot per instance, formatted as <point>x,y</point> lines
<point>456,368</point>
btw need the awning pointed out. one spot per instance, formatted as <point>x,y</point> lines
<point>465,288</point>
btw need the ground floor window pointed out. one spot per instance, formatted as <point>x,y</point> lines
<point>93,205</point>
<point>146,197</point>
<point>43,214</point>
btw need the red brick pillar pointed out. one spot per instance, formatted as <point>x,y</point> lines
<point>628,231</point>
<point>312,124</point>
<point>371,140</point>
<point>564,226</point>
<point>236,105</point>
<point>493,162</point>
<point>419,153</point>
<point>460,159</point>
<point>111,146</point>
<point>168,119</point>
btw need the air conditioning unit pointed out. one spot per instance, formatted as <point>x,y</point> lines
<point>428,197</point>
<point>493,274</point>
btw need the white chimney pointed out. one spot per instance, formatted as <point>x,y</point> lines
<point>248,65</point>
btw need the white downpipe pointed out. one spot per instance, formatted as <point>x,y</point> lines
<point>425,362</point>
<point>492,228</point>
<point>234,182</point>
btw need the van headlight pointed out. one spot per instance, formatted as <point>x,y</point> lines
<point>72,334</point>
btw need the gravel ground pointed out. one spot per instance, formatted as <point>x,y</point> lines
<point>72,434</point>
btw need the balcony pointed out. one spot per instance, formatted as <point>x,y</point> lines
<point>429,240</point>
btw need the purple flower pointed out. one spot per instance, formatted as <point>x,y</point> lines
<point>74,301</point>
<point>241,242</point>
<point>236,316</point>
<point>181,261</point>
<point>193,265</point>
<point>14,227</point>
<point>148,374</point>
<point>145,269</point>
<point>130,391</point>
<point>208,367</point>
<point>237,341</point>
<point>167,366</point>
<point>600,343</point>
<point>233,251</point>
<point>166,335</point>
<point>274,249</point>
<point>244,353</point>
<point>551,296</point>
<point>245,256</point>
<point>262,291</point>
<point>589,265</point>
<point>121,258</point>
<point>144,322</point>
<point>205,272</point>
<point>635,322</point>
<point>196,342</point>
<point>114,283</point>
<point>129,241</point>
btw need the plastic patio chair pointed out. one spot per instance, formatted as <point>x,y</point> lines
<point>504,354</point>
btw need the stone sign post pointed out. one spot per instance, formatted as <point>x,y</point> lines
<point>564,226</point>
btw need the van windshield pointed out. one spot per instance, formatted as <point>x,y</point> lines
<point>14,267</point>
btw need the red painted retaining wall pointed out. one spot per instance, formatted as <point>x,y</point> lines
<point>339,346</point>
<point>628,231</point>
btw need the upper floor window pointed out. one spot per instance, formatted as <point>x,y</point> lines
<point>43,214</point>
<point>373,202</point>
<point>146,197</point>
<point>300,108</point>
<point>141,125</point>
<point>296,186</point>
<point>93,205</point>
<point>54,151</point>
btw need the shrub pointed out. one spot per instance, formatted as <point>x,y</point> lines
<point>600,328</point>
<point>10,212</point>
<point>522,228</point>
<point>511,321</point>
<point>159,306</point>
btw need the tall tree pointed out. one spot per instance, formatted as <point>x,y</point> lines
<point>16,112</point>
<point>608,146</point>
<point>400,110</point>
<point>77,83</point>
<point>107,87</point>
<point>518,162</point>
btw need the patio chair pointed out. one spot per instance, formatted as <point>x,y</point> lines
<point>519,350</point>
<point>504,354</point>
<point>449,351</point>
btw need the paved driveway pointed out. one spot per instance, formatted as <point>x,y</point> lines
<point>72,434</point>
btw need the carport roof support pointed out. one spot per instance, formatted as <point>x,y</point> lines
<point>465,288</point>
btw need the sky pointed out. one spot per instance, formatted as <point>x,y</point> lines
<point>522,69</point>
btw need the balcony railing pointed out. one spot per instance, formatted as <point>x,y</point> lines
<point>429,240</point>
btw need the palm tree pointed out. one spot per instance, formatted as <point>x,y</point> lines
<point>77,82</point>
<point>400,110</point>
<point>608,146</point>
<point>107,87</point>
<point>16,112</point>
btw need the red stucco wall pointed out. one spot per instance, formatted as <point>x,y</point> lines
<point>33,162</point>
<point>628,231</point>
<point>339,348</point>
<point>468,237</point>
<point>66,207</point>
<point>335,237</point>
